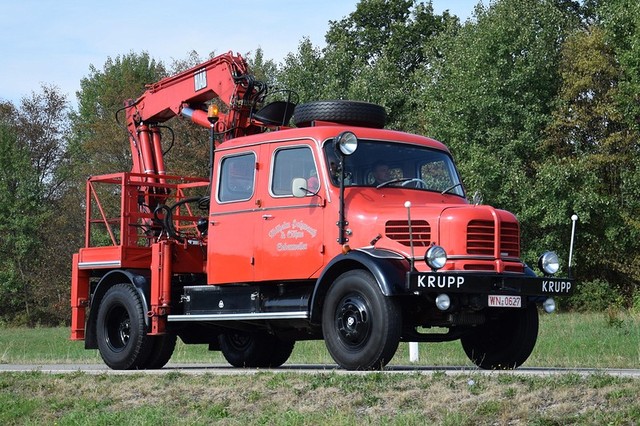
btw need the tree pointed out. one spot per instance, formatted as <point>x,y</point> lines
<point>43,209</point>
<point>42,126</point>
<point>371,55</point>
<point>305,73</point>
<point>265,70</point>
<point>99,144</point>
<point>593,139</point>
<point>489,91</point>
<point>621,22</point>
<point>22,216</point>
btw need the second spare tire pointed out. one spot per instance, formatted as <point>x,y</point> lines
<point>352,113</point>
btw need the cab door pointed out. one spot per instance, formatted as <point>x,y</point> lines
<point>234,220</point>
<point>291,245</point>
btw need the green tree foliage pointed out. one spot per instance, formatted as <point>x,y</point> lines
<point>489,91</point>
<point>305,73</point>
<point>43,227</point>
<point>490,88</point>
<point>263,69</point>
<point>42,125</point>
<point>99,145</point>
<point>592,149</point>
<point>371,55</point>
<point>588,135</point>
<point>621,21</point>
<point>22,215</point>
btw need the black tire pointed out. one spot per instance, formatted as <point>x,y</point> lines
<point>121,330</point>
<point>162,350</point>
<point>254,350</point>
<point>505,342</point>
<point>352,113</point>
<point>361,326</point>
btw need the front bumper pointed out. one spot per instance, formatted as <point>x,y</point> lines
<point>487,283</point>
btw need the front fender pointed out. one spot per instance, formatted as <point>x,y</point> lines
<point>388,268</point>
<point>119,276</point>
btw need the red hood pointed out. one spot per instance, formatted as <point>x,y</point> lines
<point>446,220</point>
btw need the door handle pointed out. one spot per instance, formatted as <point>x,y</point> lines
<point>267,216</point>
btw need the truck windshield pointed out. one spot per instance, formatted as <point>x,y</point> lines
<point>395,165</point>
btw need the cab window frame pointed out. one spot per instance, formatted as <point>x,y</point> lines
<point>284,191</point>
<point>224,193</point>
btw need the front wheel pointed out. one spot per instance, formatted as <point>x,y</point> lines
<point>122,334</point>
<point>504,342</point>
<point>361,326</point>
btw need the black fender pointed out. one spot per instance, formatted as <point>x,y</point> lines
<point>387,267</point>
<point>139,279</point>
<point>538,300</point>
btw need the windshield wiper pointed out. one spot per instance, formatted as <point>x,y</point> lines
<point>450,188</point>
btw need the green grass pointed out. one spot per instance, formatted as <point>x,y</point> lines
<point>595,340</point>
<point>323,398</point>
<point>286,398</point>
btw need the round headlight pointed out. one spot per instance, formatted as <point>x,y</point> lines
<point>347,143</point>
<point>549,305</point>
<point>436,257</point>
<point>443,302</point>
<point>549,263</point>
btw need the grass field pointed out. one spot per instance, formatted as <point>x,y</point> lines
<point>269,398</point>
<point>566,340</point>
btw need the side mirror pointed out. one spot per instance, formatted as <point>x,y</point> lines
<point>299,188</point>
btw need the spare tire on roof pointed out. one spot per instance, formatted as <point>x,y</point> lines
<point>352,113</point>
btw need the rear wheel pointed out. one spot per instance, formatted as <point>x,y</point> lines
<point>162,350</point>
<point>504,342</point>
<point>121,330</point>
<point>255,350</point>
<point>361,326</point>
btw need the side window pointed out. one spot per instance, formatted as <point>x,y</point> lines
<point>291,163</point>
<point>237,178</point>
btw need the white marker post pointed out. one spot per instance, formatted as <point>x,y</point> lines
<point>574,219</point>
<point>414,355</point>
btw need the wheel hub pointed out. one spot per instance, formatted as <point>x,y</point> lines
<point>352,320</point>
<point>118,328</point>
<point>124,331</point>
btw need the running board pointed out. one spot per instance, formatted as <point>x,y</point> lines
<point>256,316</point>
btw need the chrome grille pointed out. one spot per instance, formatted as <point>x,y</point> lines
<point>398,230</point>
<point>481,238</point>
<point>510,239</point>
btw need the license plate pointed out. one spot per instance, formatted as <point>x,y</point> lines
<point>505,301</point>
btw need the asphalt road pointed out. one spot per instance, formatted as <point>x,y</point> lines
<point>223,369</point>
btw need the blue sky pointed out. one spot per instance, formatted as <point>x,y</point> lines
<point>55,41</point>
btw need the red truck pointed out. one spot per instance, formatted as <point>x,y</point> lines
<point>334,229</point>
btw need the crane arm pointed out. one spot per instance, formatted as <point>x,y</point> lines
<point>225,78</point>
